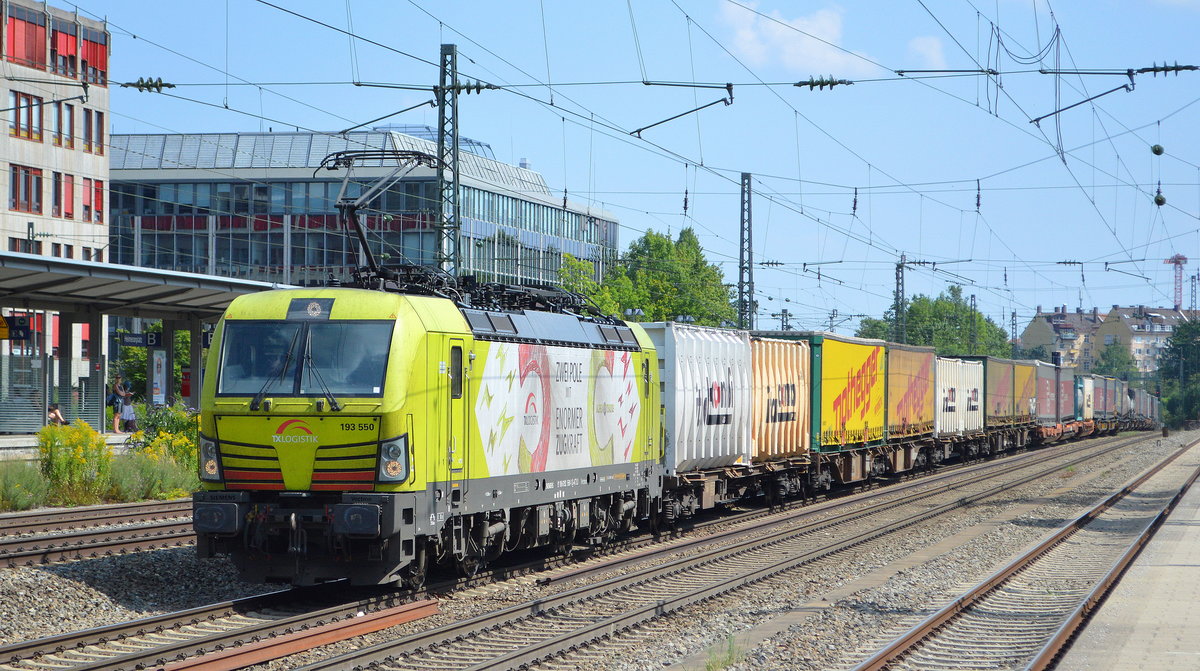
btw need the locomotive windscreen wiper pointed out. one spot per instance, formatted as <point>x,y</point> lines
<point>310,365</point>
<point>272,379</point>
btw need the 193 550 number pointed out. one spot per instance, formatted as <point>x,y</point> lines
<point>360,426</point>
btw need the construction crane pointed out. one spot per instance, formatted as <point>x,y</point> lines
<point>1178,261</point>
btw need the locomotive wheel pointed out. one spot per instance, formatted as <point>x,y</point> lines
<point>415,573</point>
<point>469,566</point>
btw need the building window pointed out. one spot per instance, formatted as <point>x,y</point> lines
<point>26,36</point>
<point>87,129</point>
<point>87,200</point>
<point>98,141</point>
<point>56,249</point>
<point>24,246</point>
<point>68,201</point>
<point>25,189</point>
<point>70,249</point>
<point>98,255</point>
<point>26,119</point>
<point>98,201</point>
<point>56,197</point>
<point>94,56</point>
<point>1109,339</point>
<point>63,48</point>
<point>68,126</point>
<point>87,253</point>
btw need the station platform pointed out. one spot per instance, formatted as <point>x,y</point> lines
<point>1152,619</point>
<point>23,446</point>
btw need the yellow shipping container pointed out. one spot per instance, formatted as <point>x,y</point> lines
<point>780,427</point>
<point>852,383</point>
<point>909,390</point>
<point>1025,386</point>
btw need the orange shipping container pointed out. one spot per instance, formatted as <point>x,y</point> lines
<point>909,390</point>
<point>780,427</point>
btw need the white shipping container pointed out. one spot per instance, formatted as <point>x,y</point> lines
<point>960,398</point>
<point>1088,402</point>
<point>706,395</point>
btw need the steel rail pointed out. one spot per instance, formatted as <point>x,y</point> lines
<point>74,518</point>
<point>33,551</point>
<point>172,643</point>
<point>892,652</point>
<point>1048,656</point>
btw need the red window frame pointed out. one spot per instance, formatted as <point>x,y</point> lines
<point>87,199</point>
<point>27,116</point>
<point>68,196</point>
<point>98,201</point>
<point>56,197</point>
<point>87,130</point>
<point>25,189</point>
<point>98,140</point>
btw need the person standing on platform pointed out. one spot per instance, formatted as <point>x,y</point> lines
<point>128,415</point>
<point>117,398</point>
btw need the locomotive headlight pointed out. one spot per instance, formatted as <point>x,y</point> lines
<point>210,464</point>
<point>393,460</point>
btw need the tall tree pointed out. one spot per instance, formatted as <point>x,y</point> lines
<point>1038,352</point>
<point>1179,375</point>
<point>1114,361</point>
<point>1181,361</point>
<point>664,279</point>
<point>943,323</point>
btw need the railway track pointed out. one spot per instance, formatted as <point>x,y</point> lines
<point>243,623</point>
<point>1025,614</point>
<point>32,551</point>
<point>40,522</point>
<point>29,539</point>
<point>544,629</point>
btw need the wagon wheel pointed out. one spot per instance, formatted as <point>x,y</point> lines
<point>564,541</point>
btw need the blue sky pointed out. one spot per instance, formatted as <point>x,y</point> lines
<point>1077,186</point>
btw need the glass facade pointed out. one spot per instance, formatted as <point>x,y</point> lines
<point>287,230</point>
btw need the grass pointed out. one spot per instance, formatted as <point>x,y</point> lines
<point>22,486</point>
<point>138,477</point>
<point>134,477</point>
<point>722,657</point>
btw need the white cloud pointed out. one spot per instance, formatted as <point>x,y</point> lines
<point>928,53</point>
<point>790,43</point>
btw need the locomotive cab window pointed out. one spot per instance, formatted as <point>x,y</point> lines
<point>291,358</point>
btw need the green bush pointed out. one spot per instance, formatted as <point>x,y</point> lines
<point>169,432</point>
<point>75,461</point>
<point>137,477</point>
<point>22,486</point>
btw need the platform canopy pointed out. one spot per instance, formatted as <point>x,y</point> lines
<point>34,282</point>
